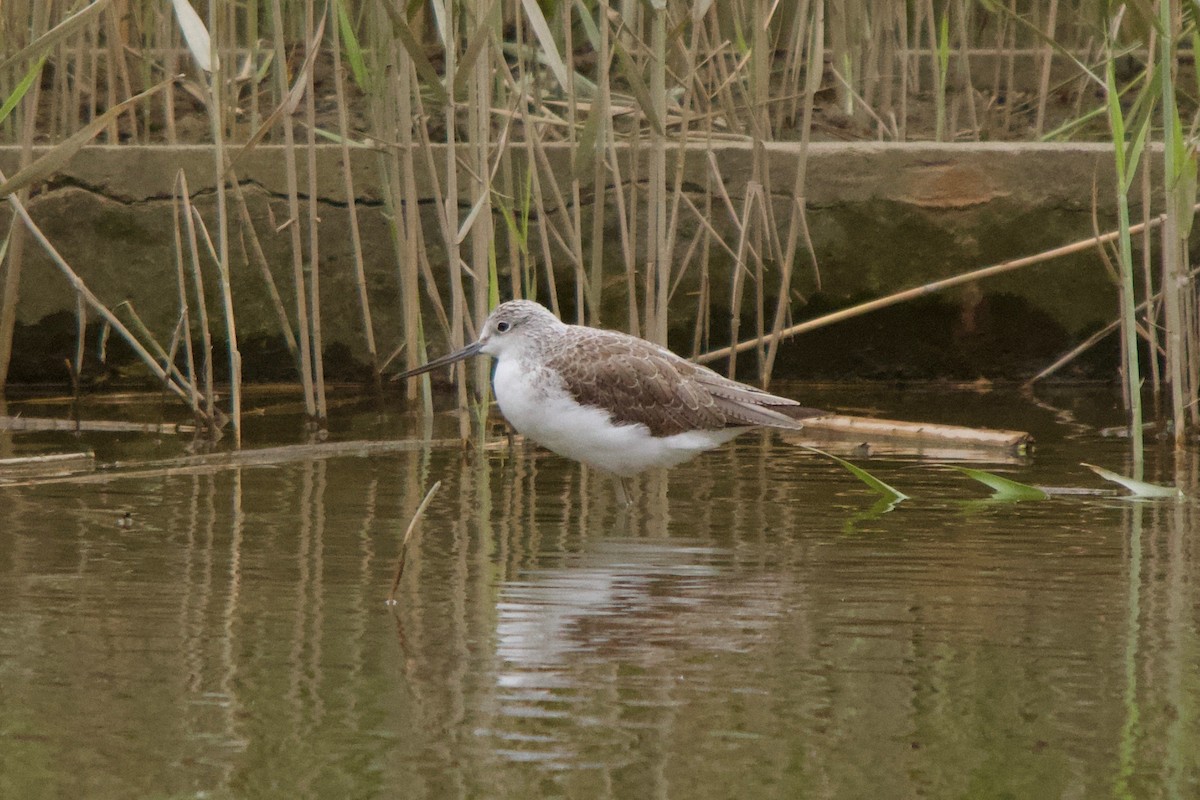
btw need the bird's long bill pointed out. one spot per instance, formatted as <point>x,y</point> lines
<point>459,355</point>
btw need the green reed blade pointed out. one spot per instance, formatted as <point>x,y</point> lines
<point>1138,488</point>
<point>1003,488</point>
<point>875,484</point>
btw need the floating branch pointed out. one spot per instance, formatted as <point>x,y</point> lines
<point>45,466</point>
<point>8,423</point>
<point>893,431</point>
<point>236,459</point>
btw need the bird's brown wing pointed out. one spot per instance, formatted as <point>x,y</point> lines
<point>638,382</point>
<point>747,405</point>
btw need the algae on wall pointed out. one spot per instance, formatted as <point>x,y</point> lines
<point>882,218</point>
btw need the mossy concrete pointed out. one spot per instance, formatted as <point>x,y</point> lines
<point>882,218</point>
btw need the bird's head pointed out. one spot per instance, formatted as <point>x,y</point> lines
<point>511,327</point>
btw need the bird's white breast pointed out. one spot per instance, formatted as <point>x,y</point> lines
<point>534,401</point>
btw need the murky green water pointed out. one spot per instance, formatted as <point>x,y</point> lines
<point>747,629</point>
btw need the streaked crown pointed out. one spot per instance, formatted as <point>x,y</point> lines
<point>516,324</point>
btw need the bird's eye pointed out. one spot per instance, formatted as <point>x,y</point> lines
<point>502,327</point>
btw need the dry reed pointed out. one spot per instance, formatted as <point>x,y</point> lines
<point>463,101</point>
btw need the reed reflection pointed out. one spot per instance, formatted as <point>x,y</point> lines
<point>1160,735</point>
<point>549,640</point>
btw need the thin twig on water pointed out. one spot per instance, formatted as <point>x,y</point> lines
<point>408,534</point>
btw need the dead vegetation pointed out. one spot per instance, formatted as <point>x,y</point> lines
<point>621,84</point>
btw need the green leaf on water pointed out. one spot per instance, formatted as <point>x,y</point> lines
<point>881,506</point>
<point>1003,488</point>
<point>870,480</point>
<point>1138,488</point>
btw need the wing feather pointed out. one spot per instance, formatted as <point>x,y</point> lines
<point>638,382</point>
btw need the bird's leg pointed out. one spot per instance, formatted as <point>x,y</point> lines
<point>623,493</point>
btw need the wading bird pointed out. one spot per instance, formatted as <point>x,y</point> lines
<point>611,400</point>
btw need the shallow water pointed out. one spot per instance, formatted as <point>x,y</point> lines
<point>749,628</point>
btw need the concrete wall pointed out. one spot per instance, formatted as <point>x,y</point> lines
<point>882,218</point>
